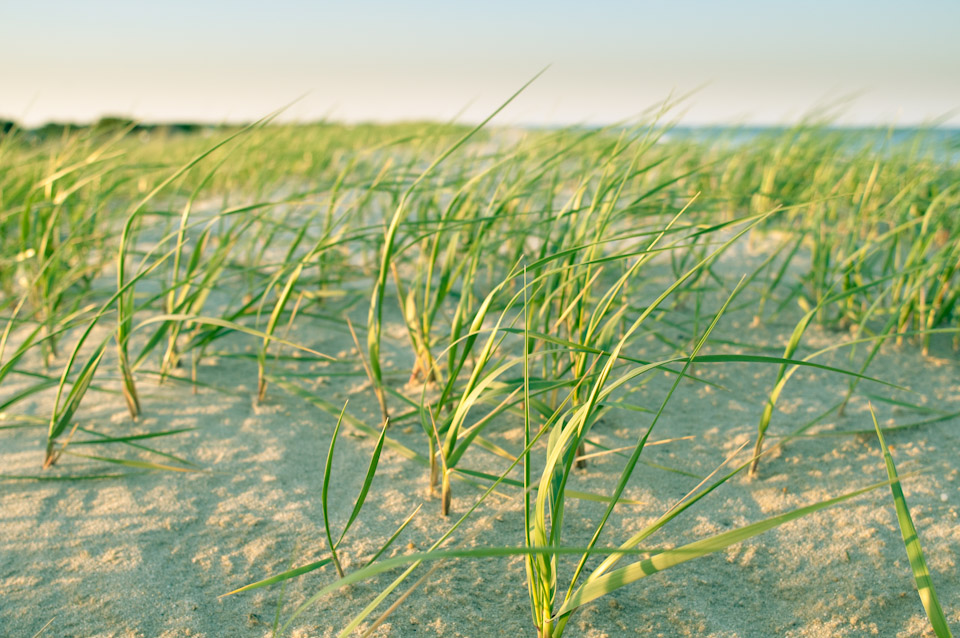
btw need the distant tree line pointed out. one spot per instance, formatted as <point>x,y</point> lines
<point>105,124</point>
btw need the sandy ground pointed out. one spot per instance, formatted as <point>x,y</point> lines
<point>149,554</point>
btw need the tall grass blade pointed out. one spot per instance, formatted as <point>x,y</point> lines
<point>911,541</point>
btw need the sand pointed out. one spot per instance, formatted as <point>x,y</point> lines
<point>150,554</point>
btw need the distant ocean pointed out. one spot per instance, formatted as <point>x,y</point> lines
<point>942,142</point>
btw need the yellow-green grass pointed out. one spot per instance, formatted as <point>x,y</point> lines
<point>520,266</point>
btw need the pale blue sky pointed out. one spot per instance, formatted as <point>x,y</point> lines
<point>761,62</point>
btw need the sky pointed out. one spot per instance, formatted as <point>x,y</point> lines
<point>740,61</point>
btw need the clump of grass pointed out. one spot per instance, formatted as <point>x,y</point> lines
<point>357,507</point>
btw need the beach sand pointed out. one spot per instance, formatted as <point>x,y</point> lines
<point>150,554</point>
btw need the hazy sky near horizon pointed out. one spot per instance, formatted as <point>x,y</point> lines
<point>753,61</point>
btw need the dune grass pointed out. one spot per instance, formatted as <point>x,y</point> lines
<point>523,268</point>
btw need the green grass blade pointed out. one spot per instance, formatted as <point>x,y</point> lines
<point>367,481</point>
<point>326,488</point>
<point>624,576</point>
<point>395,535</point>
<point>292,573</point>
<point>911,541</point>
<point>146,465</point>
